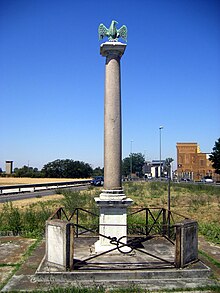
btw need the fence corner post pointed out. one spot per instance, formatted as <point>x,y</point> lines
<point>186,243</point>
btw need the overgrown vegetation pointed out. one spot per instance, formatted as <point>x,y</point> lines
<point>29,222</point>
<point>200,202</point>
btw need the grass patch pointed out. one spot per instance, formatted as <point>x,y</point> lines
<point>211,231</point>
<point>212,260</point>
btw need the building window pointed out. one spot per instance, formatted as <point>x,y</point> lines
<point>202,163</point>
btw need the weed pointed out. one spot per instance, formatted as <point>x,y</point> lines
<point>11,217</point>
<point>73,200</point>
<point>212,260</point>
<point>211,231</point>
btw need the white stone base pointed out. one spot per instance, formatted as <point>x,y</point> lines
<point>59,243</point>
<point>112,220</point>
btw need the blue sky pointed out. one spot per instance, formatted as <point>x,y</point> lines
<point>52,78</point>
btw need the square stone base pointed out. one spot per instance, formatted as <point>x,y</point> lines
<point>112,221</point>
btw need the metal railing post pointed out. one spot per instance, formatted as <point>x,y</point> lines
<point>77,222</point>
<point>146,221</point>
<point>168,223</point>
<point>164,228</point>
<point>59,214</point>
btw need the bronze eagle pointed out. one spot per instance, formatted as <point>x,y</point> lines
<point>112,33</point>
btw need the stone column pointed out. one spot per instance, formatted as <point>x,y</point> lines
<point>112,123</point>
<point>112,201</point>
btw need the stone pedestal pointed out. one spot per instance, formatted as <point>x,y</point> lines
<point>113,219</point>
<point>59,243</point>
<point>112,201</point>
<point>186,243</point>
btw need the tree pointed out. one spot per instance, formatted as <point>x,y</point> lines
<point>167,165</point>
<point>98,171</point>
<point>136,161</point>
<point>27,171</point>
<point>67,169</point>
<point>215,157</point>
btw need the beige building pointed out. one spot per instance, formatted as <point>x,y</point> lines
<point>8,167</point>
<point>192,163</point>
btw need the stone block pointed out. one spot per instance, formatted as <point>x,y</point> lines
<point>59,243</point>
<point>112,221</point>
<point>186,243</point>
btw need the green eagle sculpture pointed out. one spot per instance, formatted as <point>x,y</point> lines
<point>112,33</point>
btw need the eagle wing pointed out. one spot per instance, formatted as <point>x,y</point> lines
<point>122,32</point>
<point>103,31</point>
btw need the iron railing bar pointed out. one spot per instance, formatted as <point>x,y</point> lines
<point>60,209</point>
<point>152,216</point>
<point>88,212</point>
<point>64,214</point>
<point>139,211</point>
<point>168,239</point>
<point>155,220</point>
<point>172,212</point>
<point>55,213</point>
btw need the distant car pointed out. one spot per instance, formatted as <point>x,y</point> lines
<point>97,181</point>
<point>207,179</point>
<point>186,179</point>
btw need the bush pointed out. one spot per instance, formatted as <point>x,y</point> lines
<point>211,231</point>
<point>73,200</point>
<point>28,223</point>
<point>11,219</point>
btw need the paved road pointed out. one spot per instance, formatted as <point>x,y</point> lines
<point>25,195</point>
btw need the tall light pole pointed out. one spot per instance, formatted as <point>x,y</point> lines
<point>160,128</point>
<point>131,158</point>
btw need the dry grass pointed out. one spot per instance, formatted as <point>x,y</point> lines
<point>24,203</point>
<point>24,180</point>
<point>200,205</point>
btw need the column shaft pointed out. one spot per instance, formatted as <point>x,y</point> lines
<point>112,124</point>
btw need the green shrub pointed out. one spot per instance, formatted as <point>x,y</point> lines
<point>73,200</point>
<point>29,222</point>
<point>211,231</point>
<point>11,219</point>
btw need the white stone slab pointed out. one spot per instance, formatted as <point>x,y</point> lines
<point>59,243</point>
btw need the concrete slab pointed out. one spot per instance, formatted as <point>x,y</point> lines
<point>148,278</point>
<point>211,249</point>
<point>122,270</point>
<point>5,272</point>
<point>12,248</point>
<point>11,252</point>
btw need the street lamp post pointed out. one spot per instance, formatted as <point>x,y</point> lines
<point>160,128</point>
<point>131,159</point>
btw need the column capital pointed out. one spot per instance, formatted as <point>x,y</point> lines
<point>112,48</point>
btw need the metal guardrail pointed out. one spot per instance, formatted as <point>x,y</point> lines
<point>40,186</point>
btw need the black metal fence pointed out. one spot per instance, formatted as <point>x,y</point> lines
<point>140,221</point>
